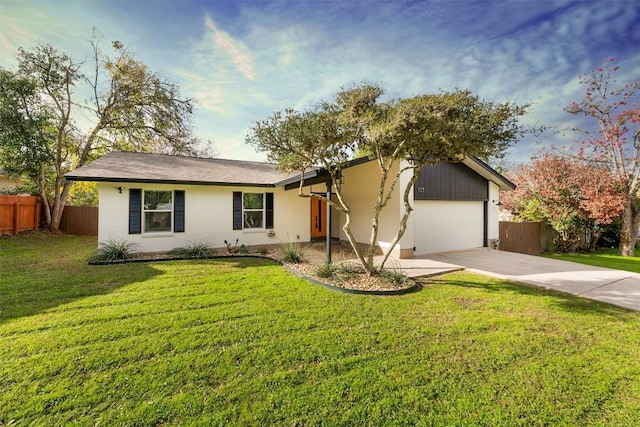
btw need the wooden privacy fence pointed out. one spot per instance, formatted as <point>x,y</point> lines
<point>79,221</point>
<point>525,237</point>
<point>19,213</point>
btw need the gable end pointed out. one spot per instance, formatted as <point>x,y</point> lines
<point>450,181</point>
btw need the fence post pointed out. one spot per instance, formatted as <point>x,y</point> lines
<point>15,218</point>
<point>36,216</point>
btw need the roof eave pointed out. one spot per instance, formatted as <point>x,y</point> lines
<point>488,172</point>
<point>320,175</point>
<point>167,181</point>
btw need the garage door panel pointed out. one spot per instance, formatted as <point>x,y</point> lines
<point>441,226</point>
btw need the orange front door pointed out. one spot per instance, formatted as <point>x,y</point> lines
<point>318,218</point>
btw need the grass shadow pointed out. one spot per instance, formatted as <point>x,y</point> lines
<point>240,261</point>
<point>39,293</point>
<point>568,302</point>
<point>30,287</point>
<point>44,270</point>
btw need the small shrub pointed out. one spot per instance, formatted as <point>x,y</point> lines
<point>114,250</point>
<point>193,250</point>
<point>293,253</point>
<point>235,248</point>
<point>326,270</point>
<point>348,269</point>
<point>394,275</point>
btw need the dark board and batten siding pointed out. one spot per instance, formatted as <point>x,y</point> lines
<point>450,181</point>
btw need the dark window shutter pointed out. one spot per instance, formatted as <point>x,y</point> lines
<point>269,210</point>
<point>237,210</point>
<point>178,211</point>
<point>135,211</point>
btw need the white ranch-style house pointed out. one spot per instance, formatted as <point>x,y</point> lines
<point>160,202</point>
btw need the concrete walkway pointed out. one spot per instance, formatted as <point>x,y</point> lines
<point>621,288</point>
<point>419,267</point>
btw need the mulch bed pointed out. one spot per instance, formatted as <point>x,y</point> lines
<point>355,280</point>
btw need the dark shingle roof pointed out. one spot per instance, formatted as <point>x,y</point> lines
<point>159,168</point>
<point>143,167</point>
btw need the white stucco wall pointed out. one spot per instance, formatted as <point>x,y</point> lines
<point>360,188</point>
<point>406,244</point>
<point>208,217</point>
<point>434,226</point>
<point>493,220</point>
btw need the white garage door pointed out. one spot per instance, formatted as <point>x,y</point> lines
<point>441,226</point>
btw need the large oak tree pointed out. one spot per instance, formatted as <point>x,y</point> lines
<point>58,113</point>
<point>425,129</point>
<point>615,108</point>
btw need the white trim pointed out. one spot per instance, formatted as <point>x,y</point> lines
<point>263,210</point>
<point>158,233</point>
<point>153,234</point>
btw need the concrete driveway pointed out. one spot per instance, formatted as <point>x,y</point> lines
<point>617,287</point>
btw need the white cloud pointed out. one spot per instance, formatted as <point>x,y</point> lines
<point>244,60</point>
<point>236,51</point>
<point>209,94</point>
<point>287,56</point>
<point>12,36</point>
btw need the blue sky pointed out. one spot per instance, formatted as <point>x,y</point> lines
<point>243,60</point>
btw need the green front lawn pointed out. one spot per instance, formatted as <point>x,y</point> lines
<point>609,258</point>
<point>243,342</point>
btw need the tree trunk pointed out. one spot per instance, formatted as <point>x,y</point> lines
<point>347,231</point>
<point>595,237</point>
<point>42,188</point>
<point>59,205</point>
<point>354,245</point>
<point>629,228</point>
<point>375,223</point>
<point>56,211</point>
<point>407,212</point>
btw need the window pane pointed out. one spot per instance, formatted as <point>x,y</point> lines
<point>157,200</point>
<point>252,200</point>
<point>253,219</point>
<point>157,221</point>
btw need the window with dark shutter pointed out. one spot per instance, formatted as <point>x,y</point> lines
<point>157,211</point>
<point>135,211</point>
<point>237,210</point>
<point>178,211</point>
<point>269,210</point>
